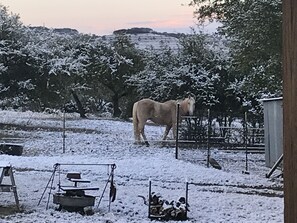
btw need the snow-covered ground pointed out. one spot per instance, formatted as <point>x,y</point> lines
<point>225,195</point>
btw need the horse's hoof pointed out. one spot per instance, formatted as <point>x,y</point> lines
<point>139,143</point>
<point>147,144</point>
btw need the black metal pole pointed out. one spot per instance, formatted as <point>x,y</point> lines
<point>149,198</point>
<point>177,129</point>
<point>187,189</point>
<point>47,185</point>
<point>245,143</point>
<point>64,130</point>
<point>208,135</point>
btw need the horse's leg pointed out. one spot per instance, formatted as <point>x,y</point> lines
<point>168,127</point>
<point>136,124</point>
<point>144,138</point>
<point>141,131</point>
<point>174,130</point>
<point>137,136</point>
<point>136,133</point>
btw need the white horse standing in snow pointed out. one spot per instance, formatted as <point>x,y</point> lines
<point>159,113</point>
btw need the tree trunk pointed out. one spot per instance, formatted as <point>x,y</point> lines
<point>80,108</point>
<point>116,110</point>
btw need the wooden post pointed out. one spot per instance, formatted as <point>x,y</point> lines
<point>290,109</point>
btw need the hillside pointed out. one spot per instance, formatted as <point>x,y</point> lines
<point>145,38</point>
<point>149,40</point>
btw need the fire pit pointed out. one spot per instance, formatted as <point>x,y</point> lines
<point>73,203</point>
<point>74,198</point>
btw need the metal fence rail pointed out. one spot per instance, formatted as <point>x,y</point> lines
<point>193,129</point>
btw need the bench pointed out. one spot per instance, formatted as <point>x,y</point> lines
<point>75,180</point>
<point>71,188</point>
<point>76,191</point>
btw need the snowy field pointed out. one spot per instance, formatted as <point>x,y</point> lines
<point>225,195</point>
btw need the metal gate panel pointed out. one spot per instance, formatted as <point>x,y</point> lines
<point>273,128</point>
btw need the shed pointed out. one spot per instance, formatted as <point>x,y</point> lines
<point>273,128</point>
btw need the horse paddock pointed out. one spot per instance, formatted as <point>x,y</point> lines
<point>225,195</point>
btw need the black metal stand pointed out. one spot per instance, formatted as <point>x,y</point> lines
<point>58,195</point>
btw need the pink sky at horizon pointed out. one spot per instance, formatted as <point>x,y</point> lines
<point>103,17</point>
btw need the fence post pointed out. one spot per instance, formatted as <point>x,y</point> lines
<point>64,131</point>
<point>187,190</point>
<point>149,198</point>
<point>177,129</point>
<point>245,133</point>
<point>208,136</point>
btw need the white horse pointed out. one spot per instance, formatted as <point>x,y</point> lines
<point>159,113</point>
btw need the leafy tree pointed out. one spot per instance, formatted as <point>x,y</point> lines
<point>56,64</point>
<point>159,78</point>
<point>111,64</point>
<point>199,67</point>
<point>219,89</point>
<point>14,70</point>
<point>254,29</point>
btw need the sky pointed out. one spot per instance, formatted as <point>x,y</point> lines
<point>102,17</point>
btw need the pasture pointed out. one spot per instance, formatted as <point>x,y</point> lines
<point>224,195</point>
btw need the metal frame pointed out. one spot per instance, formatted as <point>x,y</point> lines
<point>8,172</point>
<point>57,167</point>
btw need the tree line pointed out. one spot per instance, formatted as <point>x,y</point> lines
<point>229,72</point>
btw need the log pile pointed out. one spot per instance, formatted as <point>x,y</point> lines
<point>162,209</point>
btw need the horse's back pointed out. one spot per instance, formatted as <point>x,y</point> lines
<point>151,105</point>
<point>145,107</point>
<point>160,113</point>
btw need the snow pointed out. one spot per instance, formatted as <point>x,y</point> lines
<point>225,195</point>
<point>146,41</point>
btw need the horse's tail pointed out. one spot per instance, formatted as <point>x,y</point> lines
<point>135,121</point>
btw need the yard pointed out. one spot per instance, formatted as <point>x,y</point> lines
<point>214,195</point>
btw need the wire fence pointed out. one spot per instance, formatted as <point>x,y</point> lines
<point>199,131</point>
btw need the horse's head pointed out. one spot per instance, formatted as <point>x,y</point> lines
<point>189,105</point>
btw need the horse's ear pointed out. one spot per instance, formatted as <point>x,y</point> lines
<point>191,96</point>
